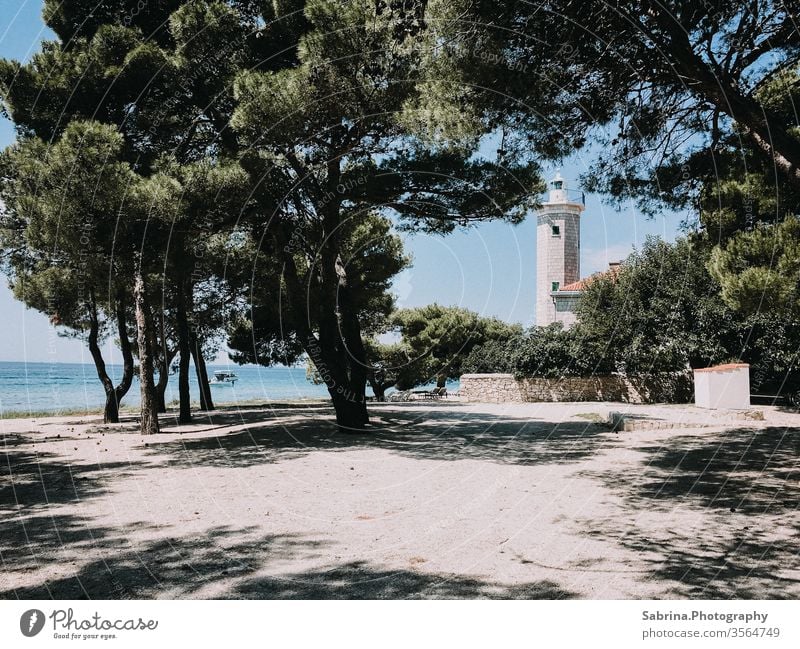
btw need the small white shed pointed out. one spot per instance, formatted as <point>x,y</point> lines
<point>722,386</point>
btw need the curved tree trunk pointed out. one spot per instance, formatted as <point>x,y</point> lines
<point>127,351</point>
<point>163,380</point>
<point>165,358</point>
<point>767,132</point>
<point>111,409</point>
<point>161,386</point>
<point>346,381</point>
<point>378,388</point>
<point>329,352</point>
<point>144,337</point>
<point>164,364</point>
<point>206,400</point>
<point>349,405</point>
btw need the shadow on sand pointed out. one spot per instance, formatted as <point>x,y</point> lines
<point>753,471</point>
<point>434,434</point>
<point>30,480</point>
<point>744,486</point>
<point>740,486</point>
<point>180,568</point>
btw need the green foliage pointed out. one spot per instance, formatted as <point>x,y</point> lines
<point>74,19</point>
<point>68,225</point>
<point>389,365</point>
<point>664,312</point>
<point>548,352</point>
<point>437,339</point>
<point>759,270</point>
<point>735,203</point>
<point>261,328</point>
<point>661,312</point>
<point>554,352</point>
<point>492,357</point>
<point>654,89</point>
<point>327,142</point>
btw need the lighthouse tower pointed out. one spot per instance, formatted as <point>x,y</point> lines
<point>558,248</point>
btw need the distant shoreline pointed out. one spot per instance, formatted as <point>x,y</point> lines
<point>211,364</point>
<point>171,408</point>
<point>53,389</point>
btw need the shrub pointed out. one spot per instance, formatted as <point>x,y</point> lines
<point>492,357</point>
<point>548,352</point>
<point>553,352</point>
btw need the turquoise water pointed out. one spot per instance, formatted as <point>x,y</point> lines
<point>54,387</point>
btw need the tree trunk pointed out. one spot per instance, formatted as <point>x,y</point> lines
<point>335,366</point>
<point>127,352</point>
<point>161,391</point>
<point>378,389</point>
<point>351,413</point>
<point>206,401</point>
<point>350,329</point>
<point>349,401</point>
<point>328,353</point>
<point>350,406</point>
<point>144,337</point>
<point>184,396</point>
<point>166,357</point>
<point>355,353</point>
<point>111,410</point>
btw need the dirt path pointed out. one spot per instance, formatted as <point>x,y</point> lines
<point>440,500</point>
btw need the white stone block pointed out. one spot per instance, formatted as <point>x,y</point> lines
<point>723,386</point>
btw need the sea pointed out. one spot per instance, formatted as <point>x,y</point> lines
<point>69,387</point>
<point>55,387</point>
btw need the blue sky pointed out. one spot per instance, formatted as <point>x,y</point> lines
<point>490,269</point>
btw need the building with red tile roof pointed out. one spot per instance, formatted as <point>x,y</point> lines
<point>565,298</point>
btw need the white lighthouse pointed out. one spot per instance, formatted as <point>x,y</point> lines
<point>558,254</point>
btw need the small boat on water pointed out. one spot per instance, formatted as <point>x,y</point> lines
<point>223,377</point>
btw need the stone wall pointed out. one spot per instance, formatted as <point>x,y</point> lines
<point>504,388</point>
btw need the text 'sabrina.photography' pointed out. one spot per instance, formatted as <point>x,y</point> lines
<point>399,300</point>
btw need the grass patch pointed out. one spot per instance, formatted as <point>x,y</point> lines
<point>67,412</point>
<point>593,417</point>
<point>171,408</point>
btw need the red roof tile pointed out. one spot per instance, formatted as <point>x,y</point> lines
<point>576,286</point>
<point>581,284</point>
<point>722,368</point>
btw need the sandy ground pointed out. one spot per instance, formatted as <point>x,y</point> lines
<point>440,500</point>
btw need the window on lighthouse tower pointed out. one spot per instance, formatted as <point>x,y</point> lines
<point>556,230</point>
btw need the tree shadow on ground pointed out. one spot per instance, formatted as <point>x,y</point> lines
<point>31,479</point>
<point>433,434</point>
<point>360,580</point>
<point>119,567</point>
<point>32,541</point>
<point>750,470</point>
<point>180,568</point>
<point>743,484</point>
<point>750,567</point>
<point>723,560</point>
